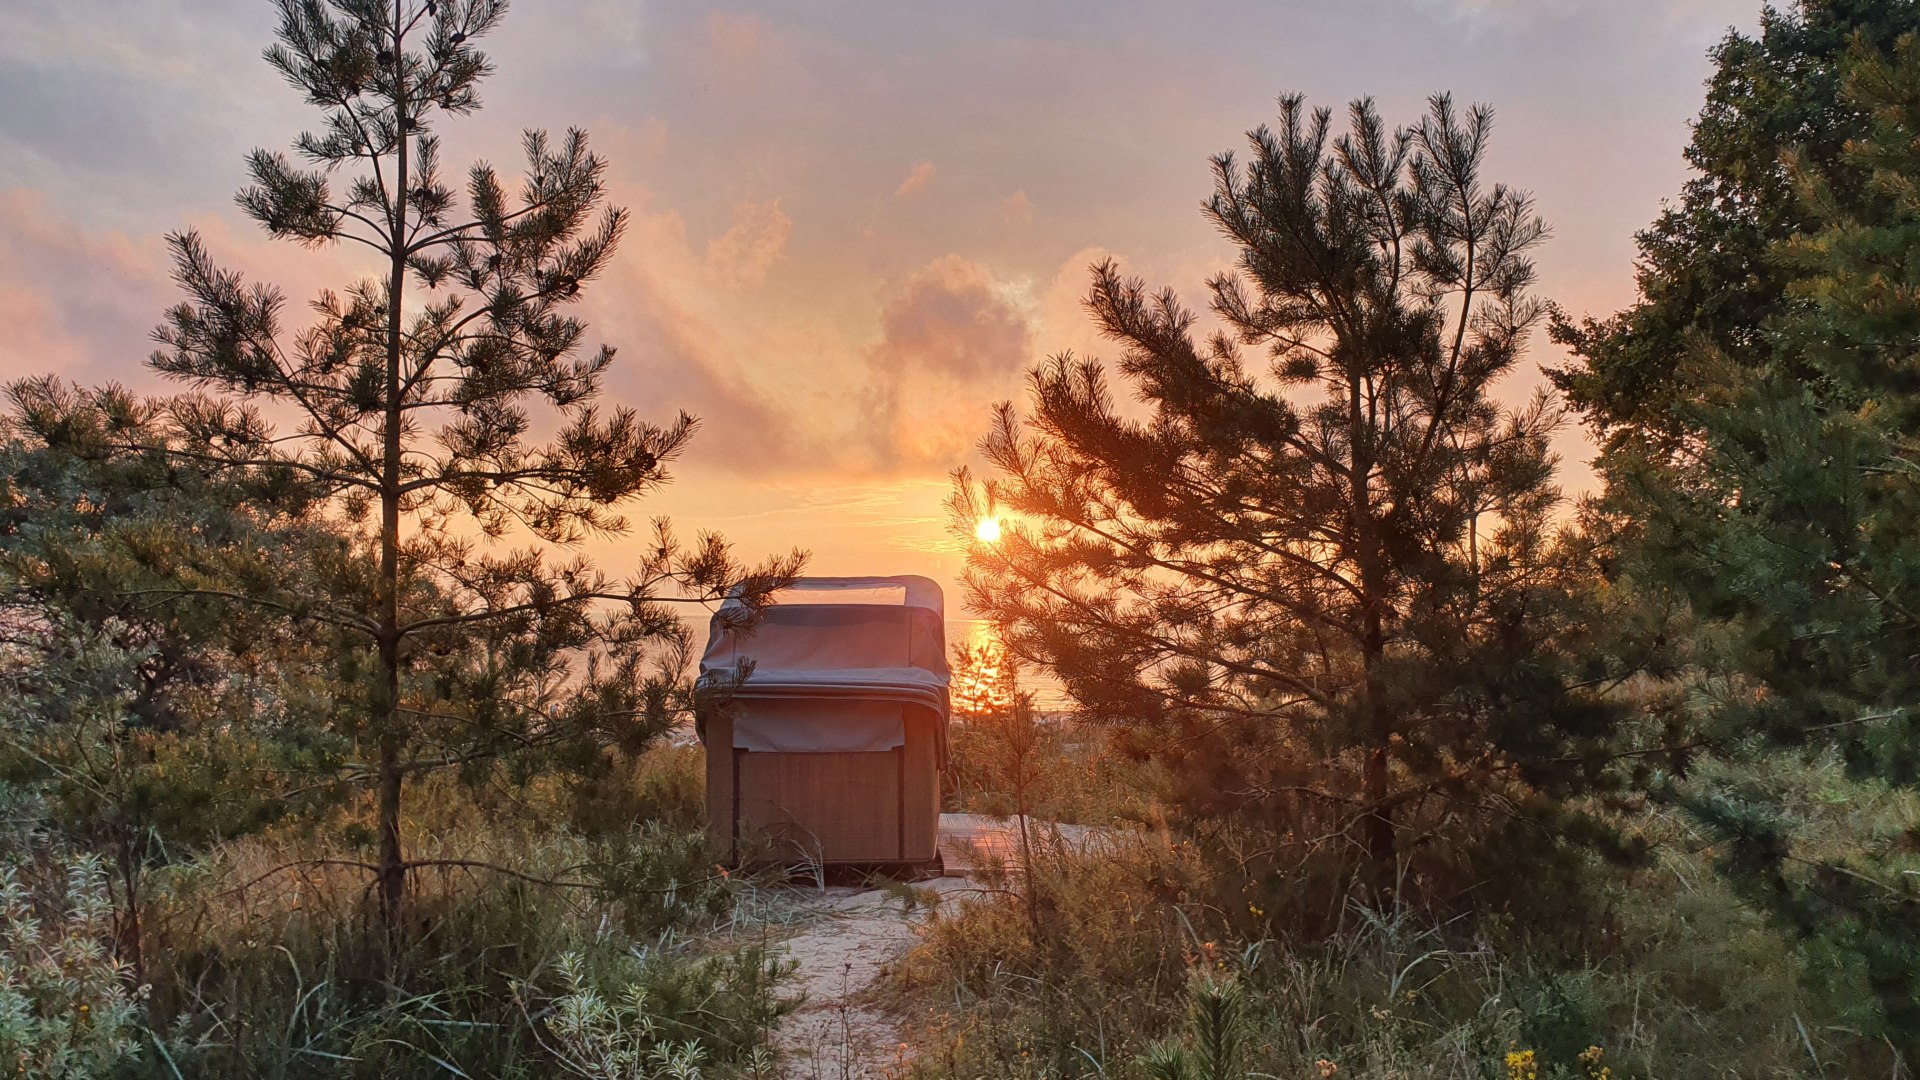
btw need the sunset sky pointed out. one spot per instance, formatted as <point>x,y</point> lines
<point>855,224</point>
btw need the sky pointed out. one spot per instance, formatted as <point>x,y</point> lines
<point>855,225</point>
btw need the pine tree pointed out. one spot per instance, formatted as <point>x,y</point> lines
<point>413,391</point>
<point>984,679</point>
<point>1328,586</point>
<point>1792,533</point>
<point>1757,407</point>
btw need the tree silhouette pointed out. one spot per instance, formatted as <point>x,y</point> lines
<point>1331,584</point>
<point>984,679</point>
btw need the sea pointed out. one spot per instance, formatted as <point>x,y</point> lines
<point>1048,695</point>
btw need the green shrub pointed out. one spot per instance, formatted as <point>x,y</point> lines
<point>615,1038</point>
<point>666,786</point>
<point>667,1023</point>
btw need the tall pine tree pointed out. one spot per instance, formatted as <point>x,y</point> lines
<point>1756,406</point>
<point>413,391</point>
<point>1792,533</point>
<point>1318,573</point>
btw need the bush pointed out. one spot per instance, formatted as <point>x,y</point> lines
<point>67,1007</point>
<point>1074,773</point>
<point>666,786</point>
<point>614,1038</point>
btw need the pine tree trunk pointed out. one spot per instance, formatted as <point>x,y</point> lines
<point>1379,822</point>
<point>392,865</point>
<point>1376,822</point>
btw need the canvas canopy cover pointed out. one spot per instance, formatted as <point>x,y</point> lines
<point>830,666</point>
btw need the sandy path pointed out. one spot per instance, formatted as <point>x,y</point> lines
<point>846,938</point>
<point>849,940</point>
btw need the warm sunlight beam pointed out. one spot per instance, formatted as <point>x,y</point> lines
<point>987,531</point>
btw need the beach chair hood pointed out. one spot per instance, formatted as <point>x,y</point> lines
<point>831,665</point>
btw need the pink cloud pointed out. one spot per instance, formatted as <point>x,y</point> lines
<point>1066,325</point>
<point>916,181</point>
<point>738,38</point>
<point>953,340</point>
<point>35,339</point>
<point>631,144</point>
<point>1017,209</point>
<point>73,299</point>
<point>665,305</point>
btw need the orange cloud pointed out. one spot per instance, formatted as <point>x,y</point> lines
<point>916,181</point>
<point>741,256</point>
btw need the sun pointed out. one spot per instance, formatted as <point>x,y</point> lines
<point>987,531</point>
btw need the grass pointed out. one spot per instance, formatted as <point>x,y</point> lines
<point>1102,963</point>
<point>1150,952</point>
<point>1238,949</point>
<point>266,960</point>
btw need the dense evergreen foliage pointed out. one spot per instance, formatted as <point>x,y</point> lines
<point>1765,478</point>
<point>147,715</point>
<point>1707,272</point>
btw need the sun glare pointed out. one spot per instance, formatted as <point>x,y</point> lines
<point>987,531</point>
